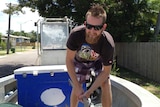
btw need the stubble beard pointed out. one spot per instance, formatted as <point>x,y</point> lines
<point>92,40</point>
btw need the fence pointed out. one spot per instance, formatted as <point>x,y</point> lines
<point>25,44</point>
<point>142,58</point>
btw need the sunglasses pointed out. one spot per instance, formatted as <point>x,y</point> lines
<point>96,27</point>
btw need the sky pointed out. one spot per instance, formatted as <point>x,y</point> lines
<point>25,20</point>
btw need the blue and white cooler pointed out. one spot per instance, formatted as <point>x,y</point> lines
<point>43,86</point>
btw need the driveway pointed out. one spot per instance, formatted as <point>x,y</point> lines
<point>9,63</point>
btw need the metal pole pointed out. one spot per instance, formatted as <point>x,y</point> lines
<point>9,24</point>
<point>21,32</point>
<point>21,35</point>
<point>38,49</point>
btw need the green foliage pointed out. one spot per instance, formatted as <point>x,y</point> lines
<point>81,7</point>
<point>32,35</point>
<point>157,38</point>
<point>16,33</point>
<point>13,50</point>
<point>128,20</point>
<point>155,5</point>
<point>3,45</point>
<point>0,37</point>
<point>142,81</point>
<point>49,8</point>
<point>33,47</point>
<point>115,69</point>
<point>13,9</point>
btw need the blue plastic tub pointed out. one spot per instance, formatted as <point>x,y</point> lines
<point>43,86</point>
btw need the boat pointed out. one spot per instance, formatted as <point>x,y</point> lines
<point>48,84</point>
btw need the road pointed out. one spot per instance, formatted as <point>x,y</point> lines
<point>9,63</point>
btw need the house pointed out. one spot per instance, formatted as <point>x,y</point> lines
<point>15,39</point>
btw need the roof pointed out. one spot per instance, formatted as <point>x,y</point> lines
<point>13,36</point>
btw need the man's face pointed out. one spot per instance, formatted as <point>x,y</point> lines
<point>94,28</point>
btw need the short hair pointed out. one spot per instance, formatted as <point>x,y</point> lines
<point>98,11</point>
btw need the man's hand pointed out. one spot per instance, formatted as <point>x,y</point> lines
<point>78,91</point>
<point>85,95</point>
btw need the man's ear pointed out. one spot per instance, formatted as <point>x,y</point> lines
<point>84,23</point>
<point>104,26</point>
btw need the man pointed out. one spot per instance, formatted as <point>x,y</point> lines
<point>90,48</point>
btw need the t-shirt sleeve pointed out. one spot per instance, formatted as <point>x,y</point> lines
<point>76,38</point>
<point>107,55</point>
<point>107,49</point>
<point>72,42</point>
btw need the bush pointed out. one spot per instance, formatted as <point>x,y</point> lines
<point>13,50</point>
<point>33,47</point>
<point>3,45</point>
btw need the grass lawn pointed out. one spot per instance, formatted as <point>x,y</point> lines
<point>17,49</point>
<point>146,83</point>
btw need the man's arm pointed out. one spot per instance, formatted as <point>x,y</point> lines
<point>71,68</point>
<point>102,77</point>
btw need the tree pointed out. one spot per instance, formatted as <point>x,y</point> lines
<point>16,33</point>
<point>128,20</point>
<point>49,8</point>
<point>32,35</point>
<point>59,8</point>
<point>155,4</point>
<point>12,9</point>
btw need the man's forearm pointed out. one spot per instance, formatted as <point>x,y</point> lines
<point>72,73</point>
<point>102,77</point>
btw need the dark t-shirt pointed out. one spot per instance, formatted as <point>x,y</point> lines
<point>102,50</point>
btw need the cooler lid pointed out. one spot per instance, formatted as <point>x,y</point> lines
<point>41,69</point>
